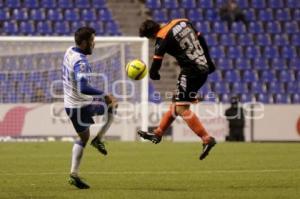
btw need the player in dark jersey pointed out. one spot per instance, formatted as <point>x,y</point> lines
<point>181,40</point>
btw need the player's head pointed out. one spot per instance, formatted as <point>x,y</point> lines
<point>149,29</point>
<point>84,39</point>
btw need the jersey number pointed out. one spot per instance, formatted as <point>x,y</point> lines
<point>193,49</point>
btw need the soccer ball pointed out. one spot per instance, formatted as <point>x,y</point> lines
<point>136,69</point>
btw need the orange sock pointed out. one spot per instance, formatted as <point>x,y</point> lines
<point>165,122</point>
<point>194,123</point>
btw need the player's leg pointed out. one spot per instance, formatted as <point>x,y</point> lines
<point>164,124</point>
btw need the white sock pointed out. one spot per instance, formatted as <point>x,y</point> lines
<point>77,152</point>
<point>109,119</point>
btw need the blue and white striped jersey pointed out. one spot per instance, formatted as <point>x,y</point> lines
<point>75,66</point>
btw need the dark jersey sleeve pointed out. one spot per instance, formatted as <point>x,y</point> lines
<point>210,63</point>
<point>160,50</point>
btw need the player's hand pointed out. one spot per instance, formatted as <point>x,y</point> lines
<point>155,76</point>
<point>111,101</point>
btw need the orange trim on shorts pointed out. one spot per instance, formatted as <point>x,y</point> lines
<point>157,57</point>
<point>165,29</point>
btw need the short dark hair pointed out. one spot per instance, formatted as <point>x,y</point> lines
<point>83,34</point>
<point>149,28</point>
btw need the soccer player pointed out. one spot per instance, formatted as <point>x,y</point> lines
<point>181,40</point>
<point>82,101</point>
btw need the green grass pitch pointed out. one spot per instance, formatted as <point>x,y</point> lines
<point>144,170</point>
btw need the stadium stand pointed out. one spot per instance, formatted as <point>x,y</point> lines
<point>263,57</point>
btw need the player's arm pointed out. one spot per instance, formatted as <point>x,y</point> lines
<point>210,63</point>
<point>160,49</point>
<point>81,75</point>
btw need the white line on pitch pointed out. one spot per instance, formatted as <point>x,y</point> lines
<point>156,172</point>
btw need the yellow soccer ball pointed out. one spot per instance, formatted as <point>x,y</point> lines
<point>136,69</point>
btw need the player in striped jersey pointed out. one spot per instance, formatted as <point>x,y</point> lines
<point>181,40</point>
<point>82,101</point>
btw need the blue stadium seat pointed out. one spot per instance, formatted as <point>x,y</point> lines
<point>291,87</point>
<point>88,15</point>
<point>249,76</point>
<point>292,3</point>
<point>238,27</point>
<point>227,39</point>
<point>38,14</point>
<point>176,13</point>
<point>281,39</point>
<point>188,4</point>
<point>160,15</point>
<point>232,76</point>
<point>281,98</point>
<point>235,52</point>
<point>2,3</point>
<point>100,3</point>
<point>273,27</point>
<point>260,63</point>
<point>285,76</point>
<point>203,27</point>
<point>65,4</point>
<point>239,88</point>
<point>264,98</point>
<point>27,28</point>
<point>211,39</point>
<point>246,97</point>
<point>72,15</point>
<point>99,27</point>
<point>242,64</point>
<point>205,4</point>
<point>296,98</point>
<point>4,14</point>
<point>291,27</point>
<point>62,28</point>
<point>245,39</point>
<point>295,40</point>
<point>10,28</point>
<point>275,87</point>
<point>270,52</point>
<point>278,63</point>
<point>295,63</point>
<point>221,88</point>
<point>263,39</point>
<point>55,14</point>
<point>20,14</point>
<point>49,3</point>
<point>258,3</point>
<point>298,76</point>
<point>44,28</point>
<point>220,27</point>
<point>13,3</point>
<point>267,76</point>
<point>266,14</point>
<point>296,15</point>
<point>194,14</point>
<point>283,15</point>
<point>82,4</point>
<point>153,4</point>
<point>217,52</point>
<point>31,3</point>
<point>225,98</point>
<point>225,64</point>
<point>243,3</point>
<point>288,52</point>
<point>252,52</point>
<point>256,27</point>
<point>275,4</point>
<point>251,14</point>
<point>112,28</point>
<point>170,4</point>
<point>215,77</point>
<point>211,15</point>
<point>77,24</point>
<point>105,15</point>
